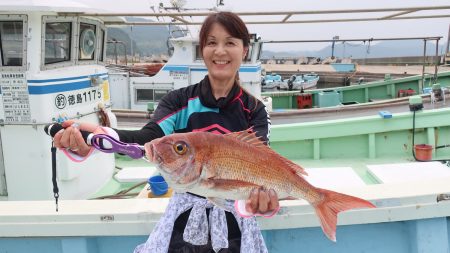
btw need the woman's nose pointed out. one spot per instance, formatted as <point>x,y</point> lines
<point>220,49</point>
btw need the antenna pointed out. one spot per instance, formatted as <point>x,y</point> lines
<point>178,4</point>
<point>332,46</point>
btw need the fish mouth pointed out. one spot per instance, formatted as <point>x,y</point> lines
<point>152,154</point>
<point>155,157</point>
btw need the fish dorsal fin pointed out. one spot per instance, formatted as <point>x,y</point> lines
<point>249,136</point>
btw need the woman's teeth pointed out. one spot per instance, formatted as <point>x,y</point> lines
<point>221,62</point>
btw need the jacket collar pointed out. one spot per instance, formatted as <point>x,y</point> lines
<point>208,99</point>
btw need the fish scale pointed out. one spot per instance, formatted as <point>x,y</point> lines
<point>261,170</point>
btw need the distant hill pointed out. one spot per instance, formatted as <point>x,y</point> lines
<point>360,51</point>
<point>152,40</point>
<point>147,40</point>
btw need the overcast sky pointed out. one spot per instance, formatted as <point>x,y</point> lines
<point>345,30</point>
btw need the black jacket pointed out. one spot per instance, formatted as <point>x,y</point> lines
<point>194,108</point>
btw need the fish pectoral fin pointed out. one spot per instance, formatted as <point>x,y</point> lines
<point>218,202</point>
<point>289,198</point>
<point>229,184</point>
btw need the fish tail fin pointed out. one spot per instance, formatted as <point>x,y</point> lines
<point>332,203</point>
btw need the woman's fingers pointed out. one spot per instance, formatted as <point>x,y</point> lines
<point>67,123</point>
<point>251,205</point>
<point>73,144</point>
<point>273,202</point>
<point>57,138</point>
<point>62,137</point>
<point>64,141</point>
<point>80,146</point>
<point>70,137</point>
<point>262,201</point>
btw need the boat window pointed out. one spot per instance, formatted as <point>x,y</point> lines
<point>101,45</point>
<point>11,43</point>
<point>57,42</point>
<point>144,95</point>
<point>160,94</point>
<point>87,41</point>
<point>148,95</point>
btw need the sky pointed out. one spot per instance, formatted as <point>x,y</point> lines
<point>345,30</point>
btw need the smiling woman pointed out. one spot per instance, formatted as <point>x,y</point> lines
<point>224,42</point>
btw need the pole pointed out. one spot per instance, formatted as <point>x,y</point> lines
<point>115,51</point>
<point>423,66</point>
<point>332,46</point>
<point>447,49</point>
<point>436,62</point>
<point>332,50</point>
<point>132,51</point>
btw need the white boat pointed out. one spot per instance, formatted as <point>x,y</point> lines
<point>300,82</point>
<point>271,81</point>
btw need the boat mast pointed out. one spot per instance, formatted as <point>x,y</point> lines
<point>447,49</point>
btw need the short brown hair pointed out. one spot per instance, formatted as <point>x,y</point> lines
<point>230,21</point>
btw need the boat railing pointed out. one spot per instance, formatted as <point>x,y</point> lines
<point>152,83</point>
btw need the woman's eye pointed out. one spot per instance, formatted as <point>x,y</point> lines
<point>180,148</point>
<point>210,43</point>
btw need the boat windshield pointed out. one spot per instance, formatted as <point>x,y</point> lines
<point>57,42</point>
<point>87,41</point>
<point>11,43</point>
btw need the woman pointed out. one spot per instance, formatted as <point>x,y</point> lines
<point>216,104</point>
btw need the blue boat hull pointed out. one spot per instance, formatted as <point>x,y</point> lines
<point>426,235</point>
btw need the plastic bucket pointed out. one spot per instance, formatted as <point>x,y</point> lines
<point>424,152</point>
<point>158,185</point>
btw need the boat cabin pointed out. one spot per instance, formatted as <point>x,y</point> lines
<point>52,68</point>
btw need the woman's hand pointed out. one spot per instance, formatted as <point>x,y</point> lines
<point>71,138</point>
<point>262,201</point>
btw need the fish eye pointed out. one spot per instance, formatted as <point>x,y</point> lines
<point>180,148</point>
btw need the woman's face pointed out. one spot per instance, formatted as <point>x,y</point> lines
<point>222,54</point>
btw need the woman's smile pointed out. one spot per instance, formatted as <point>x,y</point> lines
<point>221,62</point>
